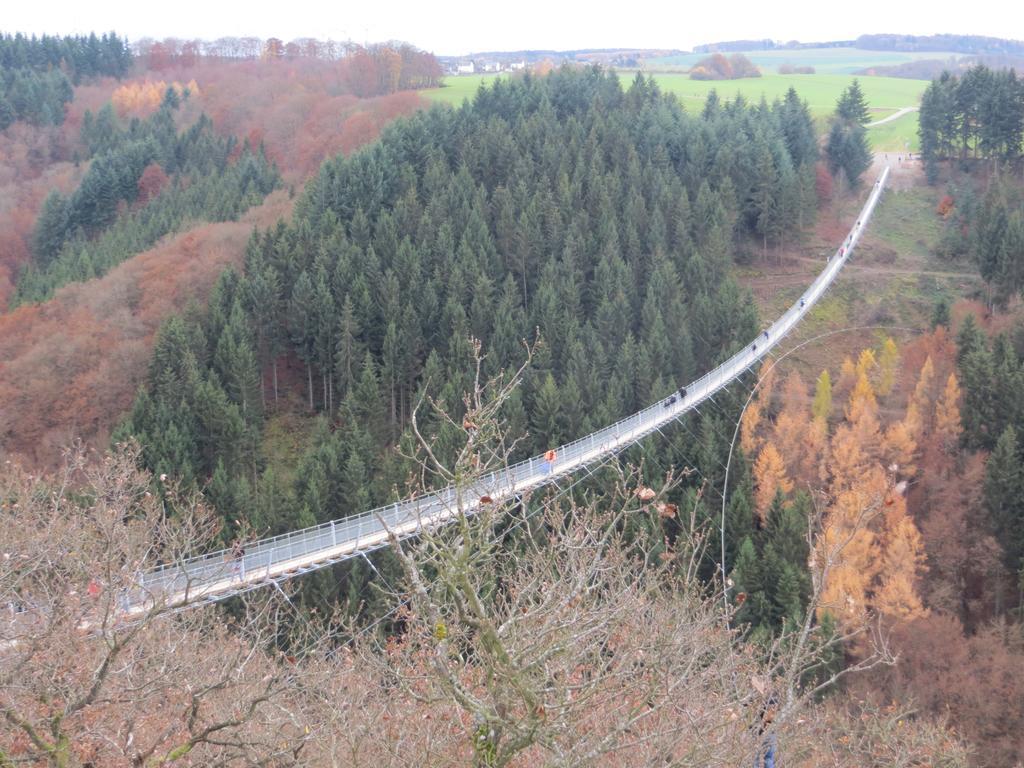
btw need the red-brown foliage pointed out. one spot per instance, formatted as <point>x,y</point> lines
<point>945,206</point>
<point>69,367</point>
<point>977,681</point>
<point>300,110</point>
<point>719,67</point>
<point>151,182</point>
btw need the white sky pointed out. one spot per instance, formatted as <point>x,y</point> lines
<point>453,27</point>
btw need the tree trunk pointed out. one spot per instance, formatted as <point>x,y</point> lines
<point>263,390</point>
<point>309,376</point>
<point>275,379</point>
<point>393,410</point>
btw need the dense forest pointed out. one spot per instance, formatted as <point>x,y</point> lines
<point>979,114</point>
<point>37,74</point>
<point>604,220</point>
<point>986,225</point>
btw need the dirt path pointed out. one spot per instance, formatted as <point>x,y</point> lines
<point>894,116</point>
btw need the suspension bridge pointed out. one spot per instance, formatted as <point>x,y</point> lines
<point>218,575</point>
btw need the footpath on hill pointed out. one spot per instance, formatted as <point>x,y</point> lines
<point>895,279</point>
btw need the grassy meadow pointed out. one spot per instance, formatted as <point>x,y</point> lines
<point>456,89</point>
<point>885,95</point>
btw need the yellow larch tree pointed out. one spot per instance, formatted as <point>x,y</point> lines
<point>821,408</point>
<point>791,426</point>
<point>862,415</point>
<point>866,362</point>
<point>862,403</point>
<point>847,375</point>
<point>749,423</point>
<point>769,477</point>
<point>817,455</point>
<point>921,400</point>
<point>947,415</point>
<point>899,449</point>
<point>903,560</point>
<point>847,459</point>
<point>888,363</point>
<point>849,547</point>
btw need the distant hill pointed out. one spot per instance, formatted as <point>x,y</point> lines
<point>976,44</point>
<point>929,69</point>
<point>623,57</point>
<point>767,45</point>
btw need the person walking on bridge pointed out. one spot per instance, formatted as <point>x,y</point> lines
<point>549,460</point>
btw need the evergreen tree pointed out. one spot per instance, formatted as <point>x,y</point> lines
<point>847,151</point>
<point>51,229</point>
<point>1004,497</point>
<point>852,107</point>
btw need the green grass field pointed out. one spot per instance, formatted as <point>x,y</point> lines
<point>884,96</point>
<point>456,89</point>
<point>898,136</point>
<point>824,60</point>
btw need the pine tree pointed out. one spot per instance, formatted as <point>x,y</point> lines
<point>1004,497</point>
<point>940,315</point>
<point>348,354</point>
<point>51,229</point>
<point>852,106</point>
<point>764,199</point>
<point>979,412</point>
<point>847,151</point>
<point>546,418</point>
<point>302,325</point>
<point>748,581</point>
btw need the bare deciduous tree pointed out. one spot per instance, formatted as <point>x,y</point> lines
<point>81,685</point>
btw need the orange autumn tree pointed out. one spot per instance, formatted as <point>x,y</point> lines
<point>902,562</point>
<point>143,97</point>
<point>888,363</point>
<point>769,478</point>
<point>750,420</point>
<point>947,415</point>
